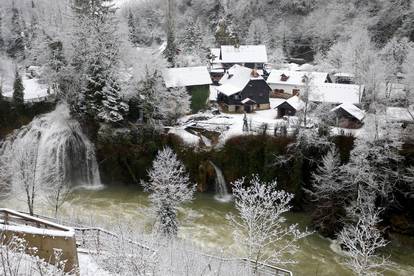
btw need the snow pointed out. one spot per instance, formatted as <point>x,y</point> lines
<point>351,109</point>
<point>186,76</point>
<point>241,54</point>
<point>32,89</point>
<point>235,80</point>
<point>294,102</point>
<point>228,125</point>
<point>247,100</point>
<point>213,93</point>
<point>88,266</point>
<point>188,138</point>
<point>296,77</point>
<point>400,114</point>
<point>336,93</point>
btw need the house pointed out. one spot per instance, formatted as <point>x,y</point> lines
<point>348,116</point>
<point>344,78</point>
<point>335,93</point>
<point>285,83</point>
<point>290,107</point>
<point>242,89</point>
<point>195,79</point>
<point>186,77</point>
<point>223,58</point>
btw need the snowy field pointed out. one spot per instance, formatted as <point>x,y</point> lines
<point>32,89</point>
<point>228,125</point>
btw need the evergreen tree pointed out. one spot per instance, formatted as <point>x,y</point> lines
<point>132,29</point>
<point>1,34</point>
<point>192,41</point>
<point>16,46</point>
<point>18,90</point>
<point>171,51</point>
<point>96,60</point>
<point>225,34</point>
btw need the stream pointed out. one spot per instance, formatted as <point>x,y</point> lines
<point>203,222</point>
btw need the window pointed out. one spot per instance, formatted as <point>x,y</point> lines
<point>283,77</point>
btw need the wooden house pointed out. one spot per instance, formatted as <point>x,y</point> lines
<point>348,116</point>
<point>195,79</point>
<point>285,83</point>
<point>290,107</point>
<point>223,58</point>
<point>242,89</point>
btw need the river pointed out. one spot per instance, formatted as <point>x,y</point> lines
<point>203,222</point>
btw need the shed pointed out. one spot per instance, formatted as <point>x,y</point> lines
<point>186,76</point>
<point>348,116</point>
<point>290,107</point>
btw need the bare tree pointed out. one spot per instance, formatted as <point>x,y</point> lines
<point>362,239</point>
<point>24,171</point>
<point>260,228</point>
<point>58,189</point>
<point>170,186</point>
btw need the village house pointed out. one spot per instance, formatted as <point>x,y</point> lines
<point>242,89</point>
<point>290,107</point>
<point>195,79</point>
<point>223,58</point>
<point>285,83</point>
<point>402,115</point>
<point>348,116</point>
<point>335,93</point>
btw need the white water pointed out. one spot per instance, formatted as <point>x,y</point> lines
<point>51,146</point>
<point>222,193</point>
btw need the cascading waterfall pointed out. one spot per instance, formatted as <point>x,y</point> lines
<point>52,145</point>
<point>222,193</point>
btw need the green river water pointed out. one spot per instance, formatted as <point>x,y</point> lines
<point>203,222</point>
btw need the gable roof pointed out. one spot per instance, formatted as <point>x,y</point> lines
<point>235,80</point>
<point>240,54</point>
<point>186,76</point>
<point>294,102</point>
<point>296,77</point>
<point>336,93</point>
<point>351,109</point>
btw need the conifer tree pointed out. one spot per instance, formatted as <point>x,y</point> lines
<point>171,51</point>
<point>1,34</point>
<point>18,90</point>
<point>16,44</point>
<point>132,29</point>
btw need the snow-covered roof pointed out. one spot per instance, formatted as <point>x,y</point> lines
<point>186,76</point>
<point>240,54</point>
<point>336,93</point>
<point>247,100</point>
<point>351,109</point>
<point>344,75</point>
<point>235,80</point>
<point>294,102</point>
<point>400,114</point>
<point>296,77</point>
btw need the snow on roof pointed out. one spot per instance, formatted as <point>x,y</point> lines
<point>247,100</point>
<point>400,114</point>
<point>296,77</point>
<point>351,109</point>
<point>241,54</point>
<point>186,76</point>
<point>344,75</point>
<point>235,80</point>
<point>336,93</point>
<point>294,102</point>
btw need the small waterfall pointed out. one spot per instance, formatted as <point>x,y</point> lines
<point>222,194</point>
<point>51,146</point>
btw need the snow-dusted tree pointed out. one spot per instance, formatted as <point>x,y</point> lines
<point>260,227</point>
<point>305,93</point>
<point>329,193</point>
<point>192,41</point>
<point>170,187</point>
<point>171,51</point>
<point>394,55</point>
<point>57,190</point>
<point>1,33</point>
<point>16,43</point>
<point>96,60</point>
<point>18,90</point>
<point>161,106</point>
<point>258,33</point>
<point>24,165</point>
<point>362,239</point>
<point>408,73</point>
<point>225,35</point>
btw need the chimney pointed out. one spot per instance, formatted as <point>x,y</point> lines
<point>254,73</point>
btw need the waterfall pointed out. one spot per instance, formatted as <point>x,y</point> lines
<point>51,146</point>
<point>222,194</point>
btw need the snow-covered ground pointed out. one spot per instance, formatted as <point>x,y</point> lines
<point>32,89</point>
<point>228,125</point>
<point>88,266</point>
